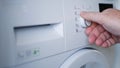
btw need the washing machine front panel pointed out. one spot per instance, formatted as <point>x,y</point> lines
<point>37,29</point>
<point>30,30</point>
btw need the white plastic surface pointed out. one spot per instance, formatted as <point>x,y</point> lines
<point>84,57</point>
<point>84,23</point>
<point>36,34</point>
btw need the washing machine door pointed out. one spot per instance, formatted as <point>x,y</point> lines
<point>86,58</point>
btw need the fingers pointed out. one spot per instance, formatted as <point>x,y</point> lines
<point>105,39</point>
<point>95,33</point>
<point>108,43</point>
<point>98,35</point>
<point>90,28</point>
<point>93,16</point>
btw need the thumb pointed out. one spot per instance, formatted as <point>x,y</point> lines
<point>92,16</point>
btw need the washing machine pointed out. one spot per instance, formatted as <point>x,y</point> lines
<point>49,34</point>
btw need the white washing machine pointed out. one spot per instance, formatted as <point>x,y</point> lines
<point>48,34</point>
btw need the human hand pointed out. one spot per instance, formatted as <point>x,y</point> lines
<point>107,31</point>
<point>98,35</point>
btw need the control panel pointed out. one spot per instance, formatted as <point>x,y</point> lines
<point>75,25</point>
